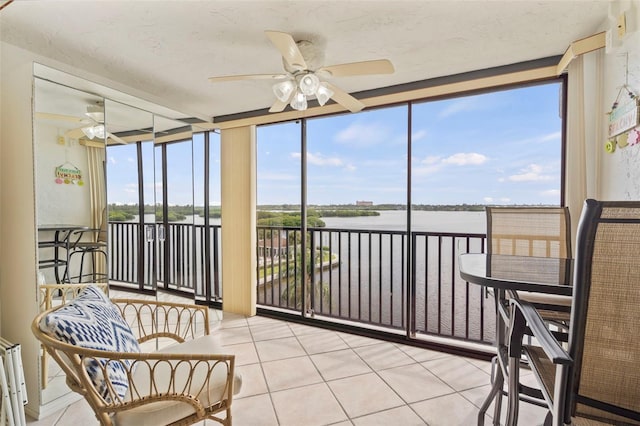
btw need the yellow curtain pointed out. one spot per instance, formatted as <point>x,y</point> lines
<point>585,120</point>
<point>97,187</point>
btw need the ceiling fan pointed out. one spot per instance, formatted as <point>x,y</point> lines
<point>91,127</point>
<point>305,74</point>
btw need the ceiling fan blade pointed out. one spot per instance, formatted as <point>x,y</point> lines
<point>288,49</point>
<point>278,106</point>
<point>345,99</point>
<point>380,66</point>
<point>247,77</point>
<point>75,133</point>
<point>116,139</point>
<point>59,117</point>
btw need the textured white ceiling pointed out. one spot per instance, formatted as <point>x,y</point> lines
<point>170,48</point>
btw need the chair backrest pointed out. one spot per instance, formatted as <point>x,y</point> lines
<point>604,338</point>
<point>529,231</point>
<point>103,232</point>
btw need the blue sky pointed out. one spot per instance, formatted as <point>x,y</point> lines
<point>497,148</point>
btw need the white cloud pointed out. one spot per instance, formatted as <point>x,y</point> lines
<point>131,160</point>
<point>431,159</point>
<point>112,160</point>
<point>434,163</point>
<point>502,200</point>
<point>363,135</point>
<point>131,188</point>
<point>420,134</point>
<point>462,105</point>
<point>465,159</point>
<point>555,136</point>
<point>319,159</point>
<point>551,193</point>
<point>531,173</point>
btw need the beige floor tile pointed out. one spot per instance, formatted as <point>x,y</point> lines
<point>414,382</point>
<point>477,397</point>
<point>481,364</point>
<point>272,350</point>
<point>290,373</point>
<point>50,420</point>
<point>528,414</point>
<point>364,394</point>
<point>78,413</point>
<point>383,355</point>
<point>270,331</point>
<point>245,353</point>
<point>420,354</point>
<point>252,411</point>
<point>303,330</point>
<point>231,336</point>
<point>230,320</point>
<point>340,364</point>
<point>322,342</point>
<point>260,320</point>
<point>253,382</point>
<point>457,372</point>
<point>404,416</point>
<point>312,405</point>
<point>447,410</point>
<point>354,341</point>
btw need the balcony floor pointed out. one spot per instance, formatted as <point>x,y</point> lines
<point>299,375</point>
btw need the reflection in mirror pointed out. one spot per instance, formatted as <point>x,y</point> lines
<point>130,195</point>
<point>174,204</point>
<point>69,137</point>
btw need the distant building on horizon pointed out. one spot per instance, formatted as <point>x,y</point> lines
<point>364,203</point>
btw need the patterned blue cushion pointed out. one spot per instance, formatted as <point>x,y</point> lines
<point>92,321</point>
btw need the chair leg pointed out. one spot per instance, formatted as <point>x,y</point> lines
<point>494,394</point>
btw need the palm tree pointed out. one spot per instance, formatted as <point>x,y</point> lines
<point>299,280</point>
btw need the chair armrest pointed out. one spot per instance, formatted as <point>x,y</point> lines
<point>150,319</point>
<point>204,381</point>
<point>527,320</point>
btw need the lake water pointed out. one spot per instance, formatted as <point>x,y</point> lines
<point>395,220</point>
<point>368,281</point>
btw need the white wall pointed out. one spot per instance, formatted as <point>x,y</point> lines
<point>18,295</point>
<point>619,173</point>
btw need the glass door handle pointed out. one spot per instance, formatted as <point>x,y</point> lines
<point>150,231</point>
<point>161,233</point>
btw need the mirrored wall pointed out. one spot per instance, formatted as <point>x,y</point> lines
<point>110,178</point>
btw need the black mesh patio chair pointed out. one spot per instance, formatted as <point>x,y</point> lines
<point>92,243</point>
<point>597,380</point>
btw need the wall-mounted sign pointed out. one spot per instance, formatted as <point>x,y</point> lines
<point>624,117</point>
<point>67,173</point>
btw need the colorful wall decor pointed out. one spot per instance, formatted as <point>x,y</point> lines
<point>67,173</point>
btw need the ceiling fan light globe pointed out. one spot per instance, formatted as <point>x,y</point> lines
<point>283,90</point>
<point>89,132</point>
<point>99,131</point>
<point>323,94</point>
<point>309,84</point>
<point>299,101</point>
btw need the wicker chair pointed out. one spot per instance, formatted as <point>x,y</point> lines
<point>180,384</point>
<point>53,295</point>
<point>597,381</point>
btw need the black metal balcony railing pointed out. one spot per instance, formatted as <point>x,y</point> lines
<point>359,276</point>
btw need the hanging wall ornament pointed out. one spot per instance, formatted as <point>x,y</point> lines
<point>610,146</point>
<point>69,174</point>
<point>624,114</point>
